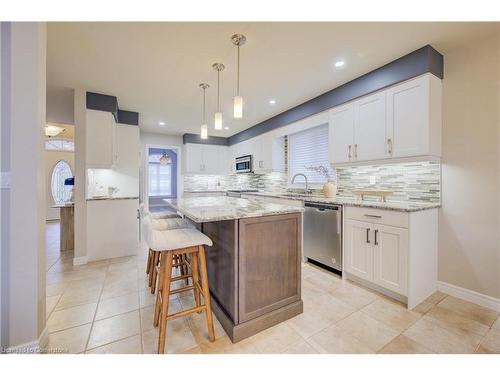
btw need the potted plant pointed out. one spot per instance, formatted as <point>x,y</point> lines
<point>330,187</point>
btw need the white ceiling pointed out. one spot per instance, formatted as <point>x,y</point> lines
<point>155,68</point>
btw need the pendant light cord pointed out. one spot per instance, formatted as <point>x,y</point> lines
<point>238,75</point>
<point>218,90</point>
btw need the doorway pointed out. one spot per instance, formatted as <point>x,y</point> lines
<point>161,176</point>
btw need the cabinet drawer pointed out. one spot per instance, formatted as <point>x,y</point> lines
<point>377,216</point>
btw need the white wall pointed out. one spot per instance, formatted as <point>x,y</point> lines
<point>469,253</point>
<point>23,206</point>
<point>51,158</point>
<point>80,176</point>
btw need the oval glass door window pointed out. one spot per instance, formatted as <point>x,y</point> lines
<point>60,193</point>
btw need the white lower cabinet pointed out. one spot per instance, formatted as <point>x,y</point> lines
<point>394,252</point>
<point>359,249</point>
<point>390,258</point>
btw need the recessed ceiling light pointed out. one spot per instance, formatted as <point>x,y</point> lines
<point>339,63</point>
<point>272,101</point>
<point>226,128</point>
<point>161,123</point>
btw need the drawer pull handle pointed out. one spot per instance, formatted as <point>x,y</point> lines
<point>374,216</point>
<point>376,241</point>
<point>367,235</point>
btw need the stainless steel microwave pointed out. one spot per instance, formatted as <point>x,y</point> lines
<point>244,164</point>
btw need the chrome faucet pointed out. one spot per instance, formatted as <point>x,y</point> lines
<point>306,191</point>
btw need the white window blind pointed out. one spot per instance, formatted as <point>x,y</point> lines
<point>308,148</point>
<point>160,177</point>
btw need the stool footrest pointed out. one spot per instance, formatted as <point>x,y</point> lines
<point>187,312</point>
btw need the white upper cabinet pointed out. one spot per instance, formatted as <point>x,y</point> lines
<point>128,148</point>
<point>205,159</point>
<point>263,153</point>
<point>414,117</point>
<point>268,153</point>
<point>101,140</point>
<point>341,134</point>
<point>369,128</point>
<point>399,122</point>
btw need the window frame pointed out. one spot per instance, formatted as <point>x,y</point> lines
<point>302,184</point>
<point>52,175</point>
<point>59,139</point>
<point>149,181</point>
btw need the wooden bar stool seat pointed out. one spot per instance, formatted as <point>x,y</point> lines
<point>187,244</point>
<point>153,256</point>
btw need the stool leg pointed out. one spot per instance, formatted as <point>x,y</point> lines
<point>153,277</point>
<point>165,296</point>
<point>206,292</point>
<point>196,278</point>
<point>185,268</point>
<point>156,316</point>
<point>148,264</point>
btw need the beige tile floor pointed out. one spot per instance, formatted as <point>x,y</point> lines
<point>105,307</point>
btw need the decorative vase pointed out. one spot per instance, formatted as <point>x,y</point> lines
<point>330,189</point>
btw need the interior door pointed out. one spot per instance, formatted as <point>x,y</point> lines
<point>369,128</point>
<point>358,249</point>
<point>341,134</point>
<point>391,258</point>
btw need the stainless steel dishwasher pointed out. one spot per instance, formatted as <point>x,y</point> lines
<point>323,234</point>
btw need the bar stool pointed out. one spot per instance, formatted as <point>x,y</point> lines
<point>187,241</point>
<point>154,256</point>
<point>156,215</point>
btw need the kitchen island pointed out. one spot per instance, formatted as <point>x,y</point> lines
<point>254,265</point>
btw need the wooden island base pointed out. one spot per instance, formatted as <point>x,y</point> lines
<point>238,332</point>
<point>254,272</point>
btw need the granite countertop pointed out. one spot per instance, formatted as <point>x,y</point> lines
<point>109,198</point>
<point>354,202</point>
<point>206,191</point>
<point>206,209</point>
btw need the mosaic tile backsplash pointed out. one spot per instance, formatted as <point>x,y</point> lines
<point>410,182</point>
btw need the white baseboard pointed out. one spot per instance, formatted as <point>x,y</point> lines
<point>80,260</point>
<point>32,347</point>
<point>470,295</point>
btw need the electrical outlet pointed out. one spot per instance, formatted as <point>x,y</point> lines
<point>373,180</point>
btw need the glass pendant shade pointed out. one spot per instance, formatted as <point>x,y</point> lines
<point>204,131</point>
<point>238,107</point>
<point>218,121</point>
<point>164,160</point>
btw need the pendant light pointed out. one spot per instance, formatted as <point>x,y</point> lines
<point>204,127</point>
<point>218,114</point>
<point>165,160</point>
<point>238,40</point>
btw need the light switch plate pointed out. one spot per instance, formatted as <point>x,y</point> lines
<point>5,180</point>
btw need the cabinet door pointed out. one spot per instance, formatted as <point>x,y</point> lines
<point>408,118</point>
<point>341,134</point>
<point>127,148</point>
<point>358,249</point>
<point>370,127</point>
<point>391,258</point>
<point>100,134</point>
<point>210,159</point>
<point>263,153</point>
<point>193,158</point>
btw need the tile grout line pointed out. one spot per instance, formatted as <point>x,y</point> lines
<point>95,312</point>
